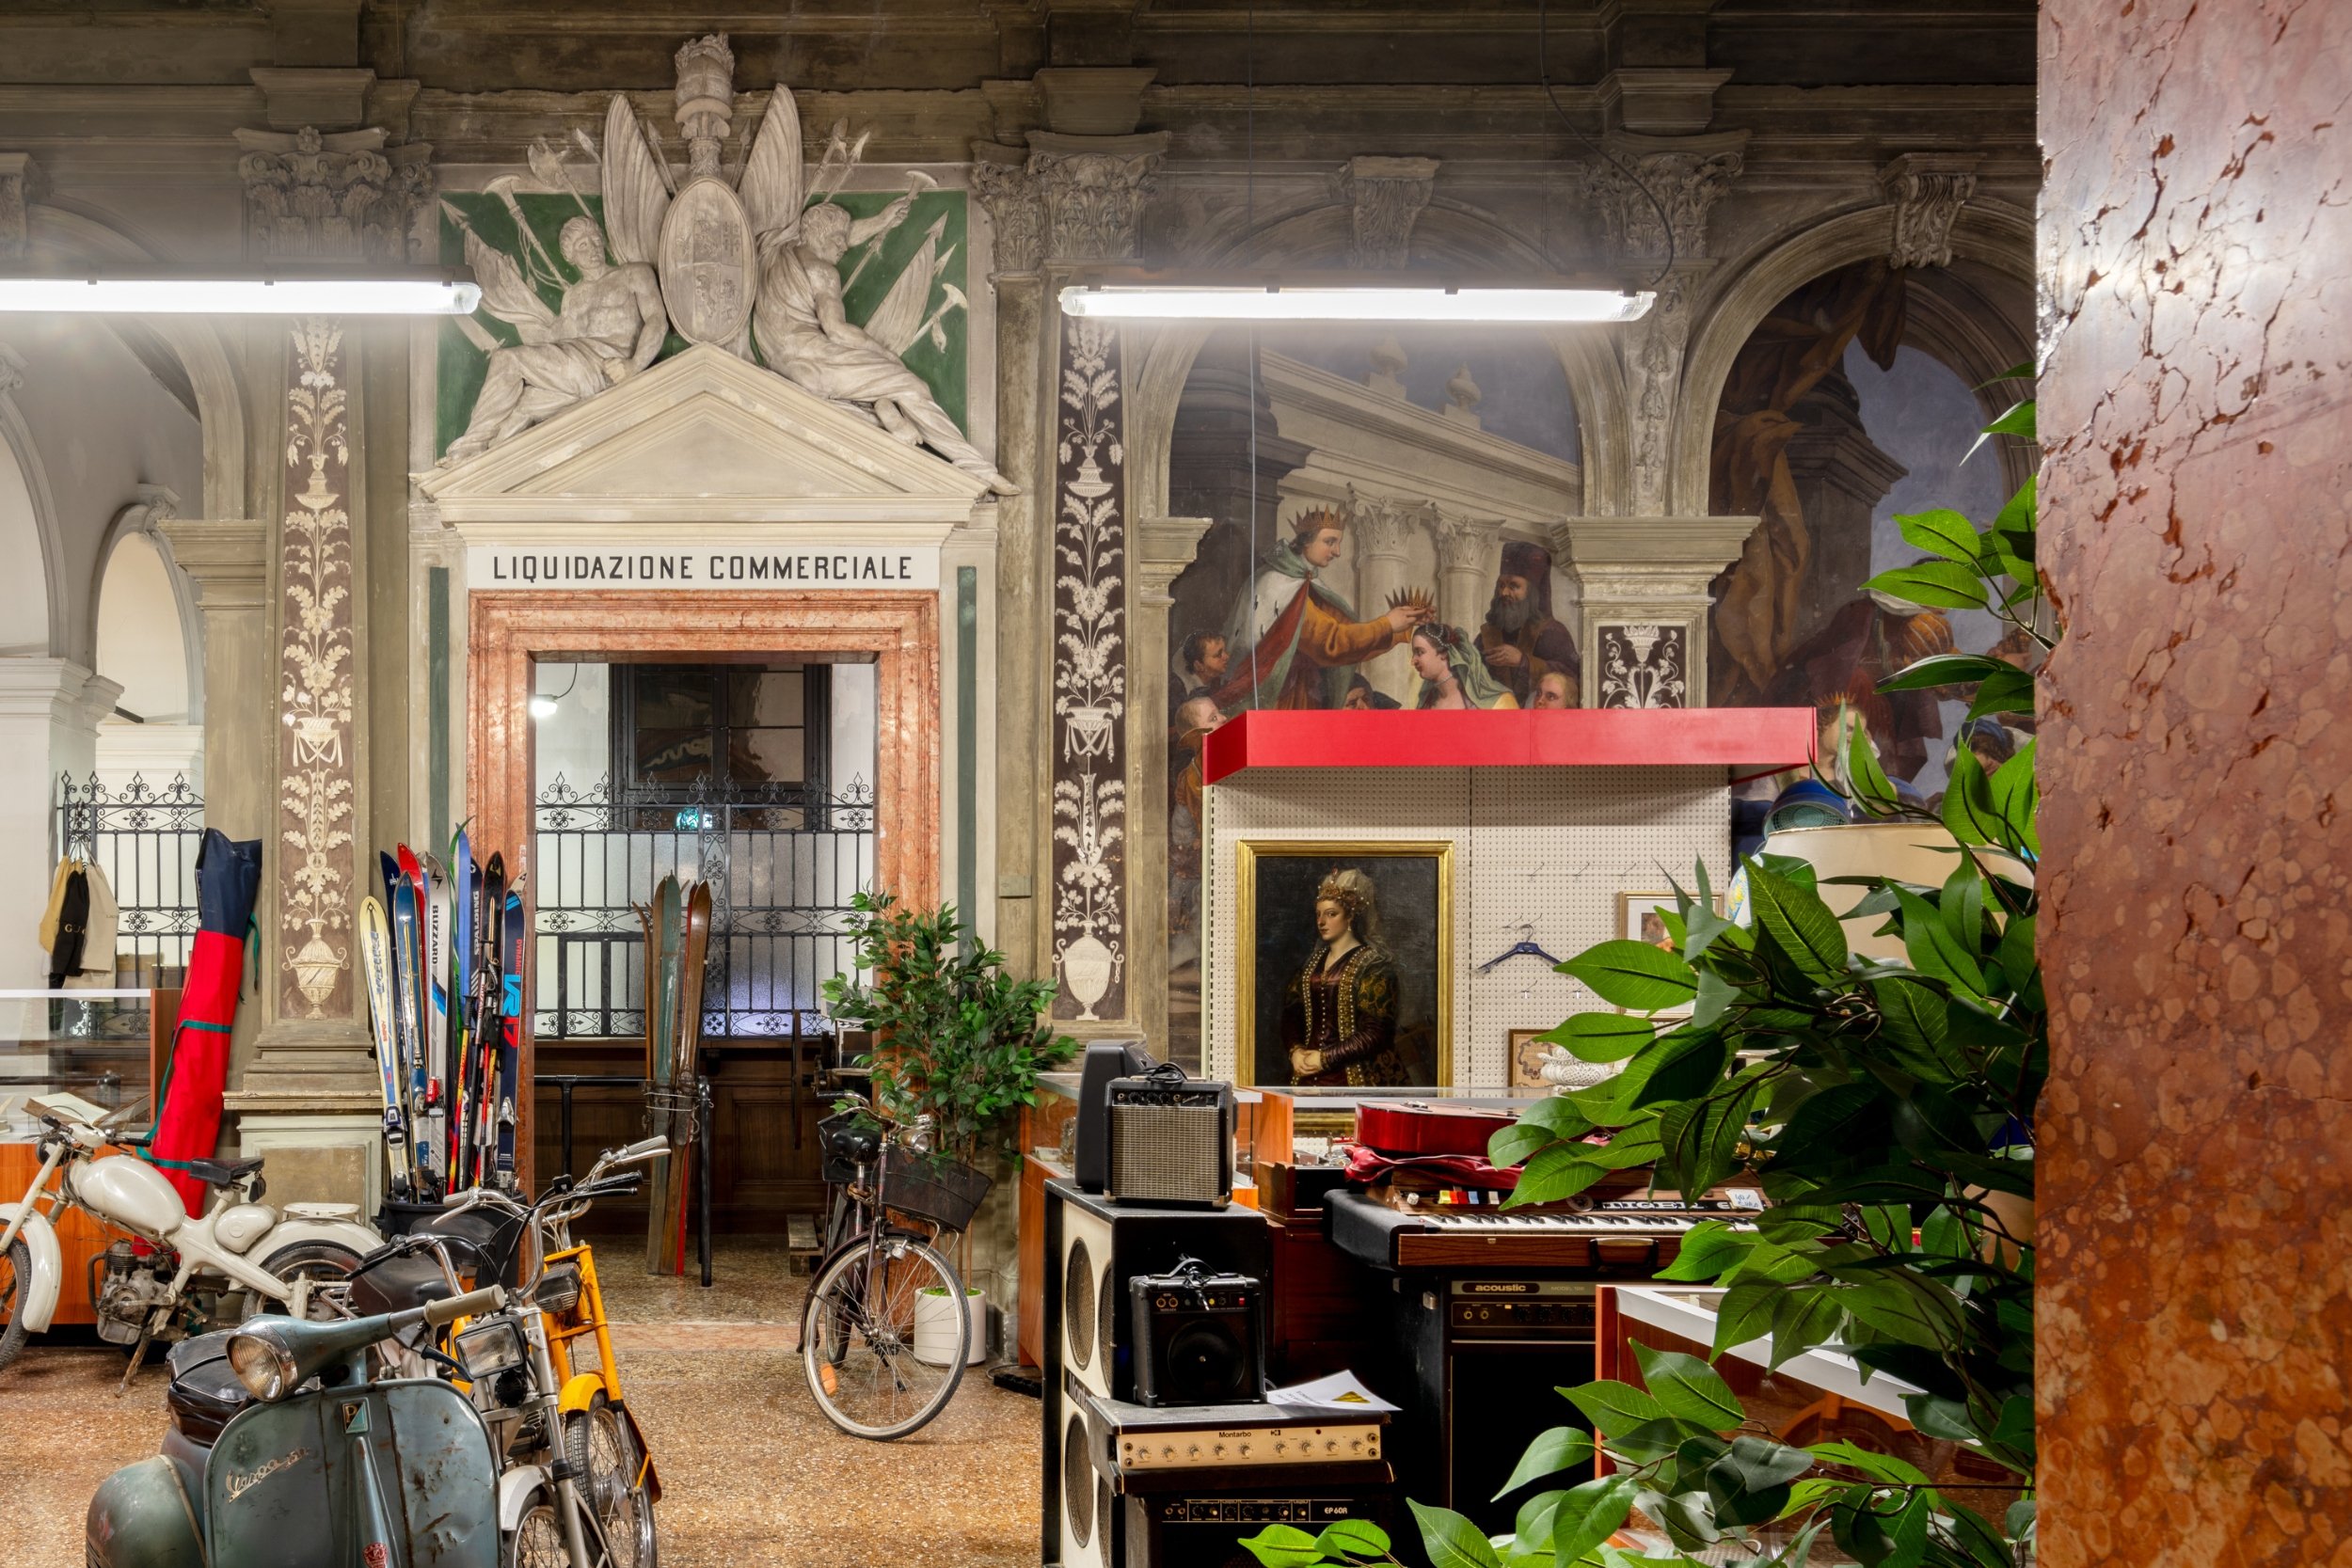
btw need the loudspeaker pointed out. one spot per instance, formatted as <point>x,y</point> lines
<point>1084,1529</point>
<point>1106,1060</point>
<point>1171,1141</point>
<point>1095,1248</point>
<point>1200,1339</point>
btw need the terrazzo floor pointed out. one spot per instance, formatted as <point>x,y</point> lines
<point>752,1474</point>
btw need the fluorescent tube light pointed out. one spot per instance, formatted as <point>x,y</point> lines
<point>388,292</point>
<point>1465,304</point>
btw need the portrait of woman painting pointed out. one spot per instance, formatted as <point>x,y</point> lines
<point>1345,954</point>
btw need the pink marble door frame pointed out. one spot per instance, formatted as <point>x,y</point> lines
<point>509,630</point>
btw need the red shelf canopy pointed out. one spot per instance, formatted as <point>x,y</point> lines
<point>1745,738</point>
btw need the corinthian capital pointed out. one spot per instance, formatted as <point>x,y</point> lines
<point>18,186</point>
<point>1927,190</point>
<point>1093,189</point>
<point>1385,198</point>
<point>1464,543</point>
<point>1002,183</point>
<point>340,196</point>
<point>1630,188</point>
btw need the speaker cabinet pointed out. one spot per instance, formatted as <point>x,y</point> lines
<point>1095,1247</point>
<point>1083,1512</point>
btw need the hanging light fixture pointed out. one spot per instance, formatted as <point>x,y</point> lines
<point>542,704</point>
<point>1354,297</point>
<point>388,290</point>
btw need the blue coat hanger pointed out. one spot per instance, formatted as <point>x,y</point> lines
<point>1526,946</point>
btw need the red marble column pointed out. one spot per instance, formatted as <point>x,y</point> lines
<point>2196,1328</point>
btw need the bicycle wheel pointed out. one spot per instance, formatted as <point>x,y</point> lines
<point>599,1446</point>
<point>16,1288</point>
<point>857,1343</point>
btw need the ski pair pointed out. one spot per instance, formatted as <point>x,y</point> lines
<point>678,937</point>
<point>493,1030</point>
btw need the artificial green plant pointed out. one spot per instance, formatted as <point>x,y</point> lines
<point>956,1039</point>
<point>1887,1111</point>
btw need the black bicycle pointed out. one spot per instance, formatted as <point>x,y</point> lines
<point>886,1331</point>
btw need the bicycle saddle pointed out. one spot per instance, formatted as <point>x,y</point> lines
<point>221,1173</point>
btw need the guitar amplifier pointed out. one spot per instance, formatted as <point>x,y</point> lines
<point>1171,1141</point>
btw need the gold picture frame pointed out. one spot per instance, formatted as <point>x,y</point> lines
<point>1250,853</point>
<point>1524,1059</point>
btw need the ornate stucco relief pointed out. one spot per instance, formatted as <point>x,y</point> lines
<point>317,780</point>
<point>1385,196</point>
<point>20,183</point>
<point>1644,665</point>
<point>340,196</point>
<point>1090,865</point>
<point>1927,191</point>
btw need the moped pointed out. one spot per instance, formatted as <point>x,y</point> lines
<point>283,1451</point>
<point>201,1272</point>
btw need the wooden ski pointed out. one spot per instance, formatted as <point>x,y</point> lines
<point>482,1033</point>
<point>465,887</point>
<point>661,999</point>
<point>677,1171</point>
<point>375,965</point>
<point>400,897</point>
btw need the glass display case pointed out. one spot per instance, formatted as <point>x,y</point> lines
<point>96,1044</point>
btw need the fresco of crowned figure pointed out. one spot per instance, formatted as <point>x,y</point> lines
<point>1451,673</point>
<point>1294,638</point>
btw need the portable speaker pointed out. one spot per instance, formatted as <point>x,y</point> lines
<point>1200,1338</point>
<point>1171,1141</point>
<point>1106,1060</point>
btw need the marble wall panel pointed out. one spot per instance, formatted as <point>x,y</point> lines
<point>2196,1326</point>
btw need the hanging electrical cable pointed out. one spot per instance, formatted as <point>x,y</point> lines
<point>1543,74</point>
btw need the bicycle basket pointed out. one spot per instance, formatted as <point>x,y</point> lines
<point>947,1192</point>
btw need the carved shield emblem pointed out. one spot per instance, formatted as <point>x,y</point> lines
<point>706,264</point>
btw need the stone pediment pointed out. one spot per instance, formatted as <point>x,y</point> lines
<point>705,437</point>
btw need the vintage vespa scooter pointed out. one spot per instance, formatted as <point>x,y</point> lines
<point>204,1272</point>
<point>283,1453</point>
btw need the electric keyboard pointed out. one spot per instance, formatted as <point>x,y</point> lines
<point>1623,1238</point>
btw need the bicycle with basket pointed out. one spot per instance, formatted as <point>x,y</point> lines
<point>880,1364</point>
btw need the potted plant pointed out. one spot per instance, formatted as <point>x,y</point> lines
<point>958,1047</point>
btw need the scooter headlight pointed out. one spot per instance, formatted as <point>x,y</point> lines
<point>262,1365</point>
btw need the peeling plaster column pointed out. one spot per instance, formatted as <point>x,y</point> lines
<point>49,714</point>
<point>1091,192</point>
<point>1642,597</point>
<point>1002,184</point>
<point>1163,547</point>
<point>227,560</point>
<point>308,1094</point>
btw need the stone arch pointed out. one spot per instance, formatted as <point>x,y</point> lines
<point>1163,356</point>
<point>134,559</point>
<point>1990,235</point>
<point>59,238</point>
<point>35,617</point>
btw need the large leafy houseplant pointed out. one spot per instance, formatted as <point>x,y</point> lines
<point>1887,1110</point>
<point>956,1039</point>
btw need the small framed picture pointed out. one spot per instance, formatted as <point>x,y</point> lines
<point>1528,1052</point>
<point>1640,917</point>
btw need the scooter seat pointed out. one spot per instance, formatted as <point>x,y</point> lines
<point>204,1392</point>
<point>396,1285</point>
<point>220,1173</point>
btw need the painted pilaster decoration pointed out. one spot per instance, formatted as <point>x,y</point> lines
<point>1927,191</point>
<point>1644,664</point>
<point>338,195</point>
<point>1385,198</point>
<point>1684,177</point>
<point>316,668</point>
<point>1093,189</point>
<point>20,187</point>
<point>1002,183</point>
<point>1089,865</point>
<point>1642,601</point>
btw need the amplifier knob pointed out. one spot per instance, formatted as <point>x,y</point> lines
<point>1193,1453</point>
<point>1279,1445</point>
<point>1245,1451</point>
<point>1167,1450</point>
<point>1219,1450</point>
<point>1330,1445</point>
<point>1354,1444</point>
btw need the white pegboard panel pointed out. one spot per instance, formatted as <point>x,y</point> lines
<point>1555,847</point>
<point>1547,847</point>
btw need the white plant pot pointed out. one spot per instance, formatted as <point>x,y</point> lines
<point>935,1327</point>
<point>1908,851</point>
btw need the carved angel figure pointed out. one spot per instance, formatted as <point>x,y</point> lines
<point>609,326</point>
<point>799,324</point>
